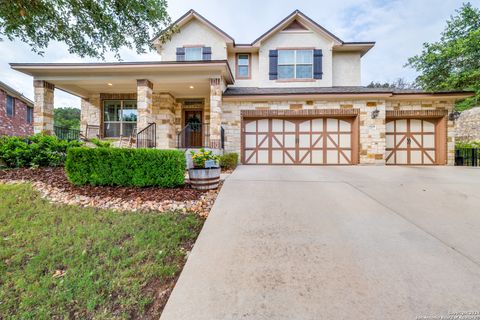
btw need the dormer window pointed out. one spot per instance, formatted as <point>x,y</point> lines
<point>295,64</point>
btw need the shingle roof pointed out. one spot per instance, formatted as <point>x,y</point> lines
<point>10,91</point>
<point>255,91</point>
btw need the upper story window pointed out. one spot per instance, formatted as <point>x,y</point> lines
<point>29,114</point>
<point>194,53</point>
<point>10,106</point>
<point>243,66</point>
<point>295,64</point>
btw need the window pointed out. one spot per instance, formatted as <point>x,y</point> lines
<point>29,114</point>
<point>10,106</point>
<point>193,53</point>
<point>119,118</point>
<point>295,64</point>
<point>243,66</point>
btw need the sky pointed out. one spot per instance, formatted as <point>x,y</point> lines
<point>399,27</point>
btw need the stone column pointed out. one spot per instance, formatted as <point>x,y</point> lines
<point>144,103</point>
<point>43,107</point>
<point>372,132</point>
<point>215,112</point>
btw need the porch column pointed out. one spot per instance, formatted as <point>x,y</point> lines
<point>215,112</point>
<point>43,107</point>
<point>144,103</point>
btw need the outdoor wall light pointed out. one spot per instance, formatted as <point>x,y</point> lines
<point>375,113</point>
<point>453,115</point>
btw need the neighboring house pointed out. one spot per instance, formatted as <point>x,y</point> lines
<point>292,96</point>
<point>16,112</point>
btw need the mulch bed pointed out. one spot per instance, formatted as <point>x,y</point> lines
<point>56,177</point>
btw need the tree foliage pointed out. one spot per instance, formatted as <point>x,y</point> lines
<point>400,83</point>
<point>88,27</point>
<point>453,63</point>
<point>67,117</point>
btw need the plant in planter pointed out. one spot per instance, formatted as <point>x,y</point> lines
<point>205,174</point>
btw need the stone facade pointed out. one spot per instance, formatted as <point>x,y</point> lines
<point>91,111</point>
<point>467,126</point>
<point>163,113</point>
<point>372,130</point>
<point>215,111</point>
<point>18,124</point>
<point>43,110</point>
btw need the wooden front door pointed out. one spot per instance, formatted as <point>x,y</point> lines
<point>301,141</point>
<point>411,141</point>
<point>194,128</point>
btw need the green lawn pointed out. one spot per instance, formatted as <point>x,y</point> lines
<point>106,263</point>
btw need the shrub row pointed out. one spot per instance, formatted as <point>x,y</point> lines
<point>229,160</point>
<point>34,151</point>
<point>125,167</point>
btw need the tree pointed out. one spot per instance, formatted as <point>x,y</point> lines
<point>400,83</point>
<point>453,63</point>
<point>67,117</point>
<point>88,27</point>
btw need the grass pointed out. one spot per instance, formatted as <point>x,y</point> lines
<point>72,262</point>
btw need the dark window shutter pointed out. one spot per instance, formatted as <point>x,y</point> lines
<point>317,64</point>
<point>207,53</point>
<point>180,54</point>
<point>273,64</point>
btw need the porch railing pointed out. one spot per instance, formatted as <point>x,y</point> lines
<point>147,138</point>
<point>197,135</point>
<point>65,133</point>
<point>467,157</point>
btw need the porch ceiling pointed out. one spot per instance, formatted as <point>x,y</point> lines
<point>182,80</point>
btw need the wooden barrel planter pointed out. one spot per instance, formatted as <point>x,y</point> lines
<point>204,179</point>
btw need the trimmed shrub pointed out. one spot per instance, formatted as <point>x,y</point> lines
<point>39,150</point>
<point>229,160</point>
<point>125,167</point>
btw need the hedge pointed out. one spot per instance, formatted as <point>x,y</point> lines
<point>125,167</point>
<point>229,160</point>
<point>38,150</point>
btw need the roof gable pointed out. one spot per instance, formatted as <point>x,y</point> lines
<point>297,19</point>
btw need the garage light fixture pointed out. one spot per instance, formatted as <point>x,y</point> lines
<point>454,115</point>
<point>375,113</point>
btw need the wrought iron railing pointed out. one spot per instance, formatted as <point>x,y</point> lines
<point>65,133</point>
<point>197,135</point>
<point>147,138</point>
<point>467,157</point>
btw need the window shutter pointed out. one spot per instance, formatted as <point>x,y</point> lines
<point>273,65</point>
<point>317,64</point>
<point>180,54</point>
<point>207,53</point>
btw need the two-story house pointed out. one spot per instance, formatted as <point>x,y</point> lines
<point>16,112</point>
<point>292,96</point>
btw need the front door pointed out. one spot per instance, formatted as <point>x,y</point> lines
<point>193,124</point>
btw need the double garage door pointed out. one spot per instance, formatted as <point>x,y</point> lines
<point>334,141</point>
<point>302,141</point>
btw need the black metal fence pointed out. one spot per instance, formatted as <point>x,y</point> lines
<point>147,138</point>
<point>467,157</point>
<point>65,133</point>
<point>197,135</point>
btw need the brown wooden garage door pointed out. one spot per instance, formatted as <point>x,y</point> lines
<point>301,141</point>
<point>411,141</point>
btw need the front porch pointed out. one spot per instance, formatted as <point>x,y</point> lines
<point>153,105</point>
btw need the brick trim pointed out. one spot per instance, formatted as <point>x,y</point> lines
<point>43,84</point>
<point>118,96</point>
<point>299,113</point>
<point>416,113</point>
<point>144,83</point>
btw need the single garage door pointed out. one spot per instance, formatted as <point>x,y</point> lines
<point>411,141</point>
<point>301,141</point>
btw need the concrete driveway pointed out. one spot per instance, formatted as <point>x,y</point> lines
<point>336,243</point>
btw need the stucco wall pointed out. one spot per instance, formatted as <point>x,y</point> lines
<point>254,70</point>
<point>195,33</point>
<point>346,69</point>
